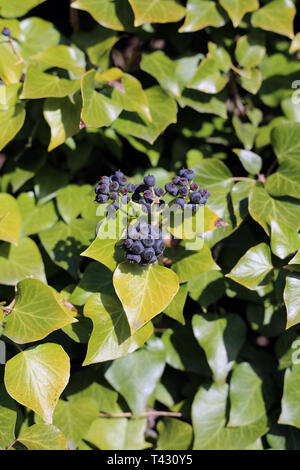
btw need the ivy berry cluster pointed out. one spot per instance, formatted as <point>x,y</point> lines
<point>188,192</point>
<point>144,244</point>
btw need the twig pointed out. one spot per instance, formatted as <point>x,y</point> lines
<point>146,413</point>
<point>11,444</point>
<point>74,18</point>
<point>15,50</point>
<point>242,178</point>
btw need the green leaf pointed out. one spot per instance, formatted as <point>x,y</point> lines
<point>286,180</point>
<point>174,434</point>
<point>192,265</point>
<point>263,208</point>
<point>289,405</point>
<point>63,117</point>
<point>65,57</point>
<point>43,437</point>
<point>252,268</point>
<point>43,85</point>
<point>253,82</point>
<point>144,291</point>
<point>207,288</point>
<point>118,434</point>
<point>236,9</point>
<point>245,131</point>
<point>36,35</point>
<point>164,11</point>
<point>35,218</point>
<point>133,98</point>
<point>277,16</point>
<point>11,121</point>
<point>8,418</point>
<point>36,378</point>
<point>38,311</point>
<point>70,201</point>
<point>138,371</point>
<point>220,346</point>
<point>204,103</point>
<point>97,110</point>
<point>10,70</point>
<point>90,283</point>
<point>284,138</point>
<point>12,8</point>
<point>284,239</point>
<point>163,110</point>
<point>294,264</point>
<point>64,242</point>
<point>17,262</point>
<point>209,421</point>
<point>111,336</point>
<point>114,14</point>
<point>208,77</point>
<point>75,417</point>
<point>250,50</point>
<point>200,14</point>
<point>291,297</point>
<point>250,160</point>
<point>10,219</point>
<point>97,43</point>
<point>175,308</point>
<point>246,396</point>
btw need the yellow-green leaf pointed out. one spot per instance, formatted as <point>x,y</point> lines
<point>236,9</point>
<point>43,437</point>
<point>277,16</point>
<point>156,11</point>
<point>10,219</point>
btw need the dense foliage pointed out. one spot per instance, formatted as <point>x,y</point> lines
<point>197,346</point>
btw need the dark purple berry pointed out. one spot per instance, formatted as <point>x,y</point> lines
<point>124,189</point>
<point>118,174</point>
<point>137,248</point>
<point>104,179</point>
<point>101,198</point>
<point>195,198</point>
<point>113,196</point>
<point>159,246</point>
<point>6,31</point>
<point>122,180</point>
<point>184,190</point>
<point>114,186</point>
<point>133,258</point>
<point>125,199</point>
<point>176,179</point>
<point>183,181</point>
<point>127,244</point>
<point>149,180</point>
<point>146,207</point>
<point>131,187</point>
<point>189,174</point>
<point>180,201</point>
<point>148,194</point>
<point>194,187</point>
<point>159,192</point>
<point>148,241</point>
<point>182,172</point>
<point>103,188</point>
<point>171,189</point>
<point>148,253</point>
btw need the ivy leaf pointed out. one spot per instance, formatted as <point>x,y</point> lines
<point>11,121</point>
<point>284,239</point>
<point>163,110</point>
<point>65,57</point>
<point>207,288</point>
<point>175,308</point>
<point>133,98</point>
<point>10,219</point>
<point>90,283</point>
<point>285,181</point>
<point>291,297</point>
<point>75,417</point>
<point>138,371</point>
<point>221,349</point>
<point>263,208</point>
<point>38,311</point>
<point>17,262</point>
<point>209,421</point>
<point>174,434</point>
<point>65,242</point>
<point>97,110</point>
<point>246,396</point>
<point>250,160</point>
<point>12,8</point>
<point>38,84</point>
<point>289,408</point>
<point>284,138</point>
<point>8,418</point>
<point>36,35</point>
<point>10,71</point>
<point>43,437</point>
<point>208,77</point>
<point>200,14</point>
<point>35,218</point>
<point>36,378</point>
<point>236,9</point>
<point>70,201</point>
<point>144,291</point>
<point>277,16</point>
<point>250,50</point>
<point>192,265</point>
<point>48,181</point>
<point>111,336</point>
<point>113,14</point>
<point>252,268</point>
<point>294,264</point>
<point>204,103</point>
<point>164,11</point>
<point>63,117</point>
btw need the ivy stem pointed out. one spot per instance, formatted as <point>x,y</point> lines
<point>11,444</point>
<point>242,178</point>
<point>146,413</point>
<point>15,50</point>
